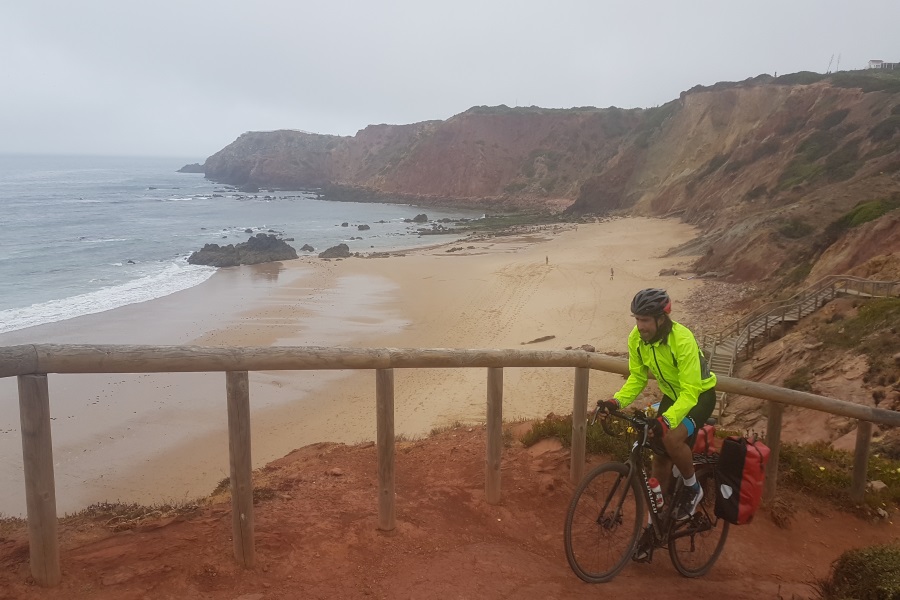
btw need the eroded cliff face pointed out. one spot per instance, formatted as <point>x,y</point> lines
<point>763,167</point>
<point>763,170</point>
<point>527,157</point>
<point>284,159</point>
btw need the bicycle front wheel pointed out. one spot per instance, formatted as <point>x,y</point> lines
<point>603,522</point>
<point>695,544</point>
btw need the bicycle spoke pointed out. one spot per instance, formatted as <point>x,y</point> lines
<point>695,544</point>
<point>603,523</point>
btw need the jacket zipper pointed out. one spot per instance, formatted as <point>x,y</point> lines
<point>658,368</point>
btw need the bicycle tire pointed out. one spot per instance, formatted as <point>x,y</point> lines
<point>603,522</point>
<point>695,544</point>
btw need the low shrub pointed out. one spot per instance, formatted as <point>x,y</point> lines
<point>798,274</point>
<point>834,118</point>
<point>817,145</point>
<point>868,80</point>
<point>860,214</point>
<point>873,332</point>
<point>871,573</point>
<point>653,119</point>
<point>821,470</point>
<point>799,171</point>
<point>799,380</point>
<point>597,441</point>
<point>844,163</point>
<point>795,228</point>
<point>886,129</point>
<point>800,78</point>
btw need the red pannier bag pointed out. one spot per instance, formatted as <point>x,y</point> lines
<point>706,443</point>
<point>740,474</point>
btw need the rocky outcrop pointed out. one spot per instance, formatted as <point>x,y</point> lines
<point>192,168</point>
<point>260,248</point>
<point>339,251</point>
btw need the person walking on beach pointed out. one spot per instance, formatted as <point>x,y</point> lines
<point>670,351</point>
<point>611,273</point>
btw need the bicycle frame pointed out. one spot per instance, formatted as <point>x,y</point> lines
<point>659,520</point>
<point>606,514</point>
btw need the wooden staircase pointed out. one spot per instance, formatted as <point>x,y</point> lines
<point>723,348</point>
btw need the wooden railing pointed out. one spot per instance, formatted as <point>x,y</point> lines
<point>760,320</point>
<point>32,363</point>
<point>723,348</point>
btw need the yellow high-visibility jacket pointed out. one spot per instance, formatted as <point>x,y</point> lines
<point>678,365</point>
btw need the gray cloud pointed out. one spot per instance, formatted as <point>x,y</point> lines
<point>185,78</point>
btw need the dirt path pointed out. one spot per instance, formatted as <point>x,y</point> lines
<point>317,538</point>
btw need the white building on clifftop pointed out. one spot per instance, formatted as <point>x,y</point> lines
<point>880,64</point>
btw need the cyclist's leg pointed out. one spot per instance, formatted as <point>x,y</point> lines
<point>662,464</point>
<point>680,440</point>
<point>679,451</point>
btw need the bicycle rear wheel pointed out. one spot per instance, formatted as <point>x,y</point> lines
<point>603,522</point>
<point>695,544</point>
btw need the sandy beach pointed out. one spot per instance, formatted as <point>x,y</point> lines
<point>162,437</point>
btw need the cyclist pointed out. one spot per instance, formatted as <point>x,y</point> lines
<point>669,350</point>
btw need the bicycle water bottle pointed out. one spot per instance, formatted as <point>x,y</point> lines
<point>657,492</point>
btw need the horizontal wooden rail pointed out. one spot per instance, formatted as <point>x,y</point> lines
<point>74,358</point>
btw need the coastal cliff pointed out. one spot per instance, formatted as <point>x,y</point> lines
<point>764,167</point>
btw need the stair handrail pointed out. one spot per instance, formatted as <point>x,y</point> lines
<point>828,282</point>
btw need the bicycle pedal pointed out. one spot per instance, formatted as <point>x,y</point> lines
<point>643,554</point>
<point>642,557</point>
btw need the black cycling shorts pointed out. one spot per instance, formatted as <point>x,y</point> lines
<point>703,410</point>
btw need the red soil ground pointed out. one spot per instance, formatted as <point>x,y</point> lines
<point>316,537</point>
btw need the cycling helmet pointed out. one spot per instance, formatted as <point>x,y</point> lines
<point>651,302</point>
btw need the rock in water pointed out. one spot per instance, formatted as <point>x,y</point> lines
<point>260,248</point>
<point>192,168</point>
<point>339,251</point>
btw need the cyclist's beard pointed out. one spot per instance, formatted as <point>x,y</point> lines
<point>663,328</point>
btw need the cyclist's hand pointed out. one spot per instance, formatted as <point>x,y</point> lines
<point>607,406</point>
<point>659,427</point>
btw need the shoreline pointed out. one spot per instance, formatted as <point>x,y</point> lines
<point>499,293</point>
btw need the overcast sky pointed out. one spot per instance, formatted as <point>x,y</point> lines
<point>184,78</point>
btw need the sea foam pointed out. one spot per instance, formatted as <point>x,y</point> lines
<point>167,279</point>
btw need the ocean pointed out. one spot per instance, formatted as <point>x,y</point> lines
<point>86,234</point>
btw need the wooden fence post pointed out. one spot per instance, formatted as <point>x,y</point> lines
<point>237,388</point>
<point>384,414</point>
<point>773,440</point>
<point>494,434</point>
<point>861,461</point>
<point>579,424</point>
<point>40,486</point>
